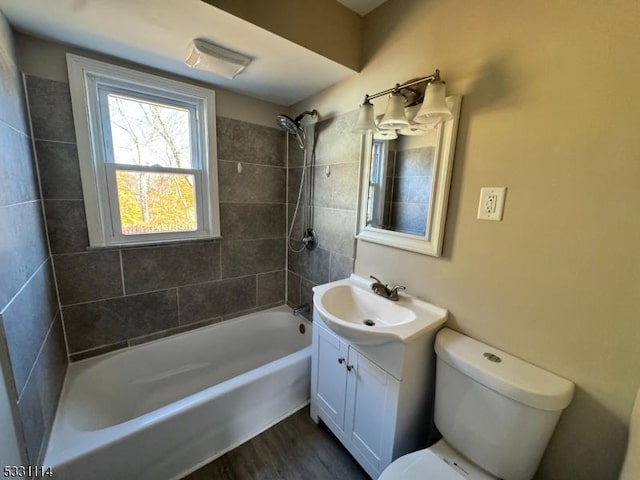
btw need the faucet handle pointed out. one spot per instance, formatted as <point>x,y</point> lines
<point>393,292</point>
<point>376,279</point>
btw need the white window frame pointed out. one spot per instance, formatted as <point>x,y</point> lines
<point>90,81</point>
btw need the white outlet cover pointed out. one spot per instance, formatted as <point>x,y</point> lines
<point>491,203</point>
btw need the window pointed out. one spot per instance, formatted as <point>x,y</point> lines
<point>147,155</point>
<point>378,200</point>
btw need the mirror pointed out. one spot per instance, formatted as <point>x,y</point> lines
<point>405,186</point>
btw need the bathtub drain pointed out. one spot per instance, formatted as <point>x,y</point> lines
<point>369,323</point>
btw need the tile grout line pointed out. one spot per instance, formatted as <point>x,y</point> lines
<point>124,291</point>
<point>24,285</point>
<point>63,199</point>
<point>26,202</point>
<point>53,141</point>
<point>256,303</point>
<point>172,245</point>
<point>252,163</point>
<point>220,262</point>
<point>44,213</point>
<point>33,367</point>
<point>178,304</point>
<point>251,203</point>
<point>137,294</point>
<point>15,129</point>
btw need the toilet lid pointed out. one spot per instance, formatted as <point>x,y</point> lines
<point>420,465</point>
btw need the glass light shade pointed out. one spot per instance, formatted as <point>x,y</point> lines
<point>410,113</point>
<point>387,134</point>
<point>394,116</point>
<point>434,107</point>
<point>414,130</point>
<point>365,123</point>
<point>383,134</point>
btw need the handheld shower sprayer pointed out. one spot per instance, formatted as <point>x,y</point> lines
<point>293,126</point>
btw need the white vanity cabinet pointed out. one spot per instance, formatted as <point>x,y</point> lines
<point>375,399</point>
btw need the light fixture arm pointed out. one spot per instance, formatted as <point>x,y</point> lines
<point>435,77</point>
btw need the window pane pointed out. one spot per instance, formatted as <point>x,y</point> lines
<point>147,133</point>
<point>156,202</point>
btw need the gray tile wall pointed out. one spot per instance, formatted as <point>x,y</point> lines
<point>335,203</point>
<point>114,298</point>
<point>411,186</point>
<point>31,335</point>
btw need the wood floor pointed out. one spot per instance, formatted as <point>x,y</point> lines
<point>294,449</point>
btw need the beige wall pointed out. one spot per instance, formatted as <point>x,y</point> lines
<point>323,26</point>
<point>550,110</point>
<point>47,59</point>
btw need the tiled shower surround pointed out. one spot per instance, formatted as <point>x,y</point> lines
<point>113,298</point>
<point>409,176</point>
<point>32,349</point>
<point>334,177</point>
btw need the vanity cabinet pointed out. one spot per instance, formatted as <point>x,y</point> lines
<point>355,396</point>
<point>371,400</point>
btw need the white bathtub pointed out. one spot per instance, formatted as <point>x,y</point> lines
<point>163,409</point>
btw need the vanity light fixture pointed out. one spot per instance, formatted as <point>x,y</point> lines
<point>383,133</point>
<point>394,117</point>
<point>365,122</point>
<point>213,58</point>
<point>433,111</point>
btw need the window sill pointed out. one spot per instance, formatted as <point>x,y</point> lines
<point>156,243</point>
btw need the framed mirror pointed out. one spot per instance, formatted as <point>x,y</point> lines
<point>405,187</point>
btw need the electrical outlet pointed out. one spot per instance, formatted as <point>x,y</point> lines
<point>491,203</point>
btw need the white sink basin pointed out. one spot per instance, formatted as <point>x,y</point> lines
<point>353,311</point>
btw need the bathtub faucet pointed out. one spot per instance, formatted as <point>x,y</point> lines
<point>304,308</point>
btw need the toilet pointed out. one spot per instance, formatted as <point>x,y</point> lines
<point>496,414</point>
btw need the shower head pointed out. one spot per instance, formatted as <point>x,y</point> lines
<point>288,124</point>
<point>293,125</point>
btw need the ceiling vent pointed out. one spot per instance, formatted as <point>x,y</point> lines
<point>207,56</point>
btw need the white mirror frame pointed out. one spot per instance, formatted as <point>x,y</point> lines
<point>431,242</point>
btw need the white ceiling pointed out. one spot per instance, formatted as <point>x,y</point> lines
<point>362,6</point>
<point>156,33</point>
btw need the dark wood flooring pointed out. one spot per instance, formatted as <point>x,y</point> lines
<point>294,449</point>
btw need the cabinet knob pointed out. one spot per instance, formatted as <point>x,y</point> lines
<point>349,367</point>
<point>341,361</point>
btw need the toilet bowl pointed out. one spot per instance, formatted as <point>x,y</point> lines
<point>496,414</point>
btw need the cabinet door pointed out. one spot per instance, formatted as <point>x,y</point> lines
<point>331,381</point>
<point>372,394</point>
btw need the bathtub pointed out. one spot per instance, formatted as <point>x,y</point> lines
<point>163,409</point>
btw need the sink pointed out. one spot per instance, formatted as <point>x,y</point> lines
<point>353,311</point>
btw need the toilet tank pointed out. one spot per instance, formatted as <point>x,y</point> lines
<point>493,408</point>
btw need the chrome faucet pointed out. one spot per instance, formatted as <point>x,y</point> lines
<point>384,290</point>
<point>304,308</point>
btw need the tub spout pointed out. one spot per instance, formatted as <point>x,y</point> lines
<point>304,308</point>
